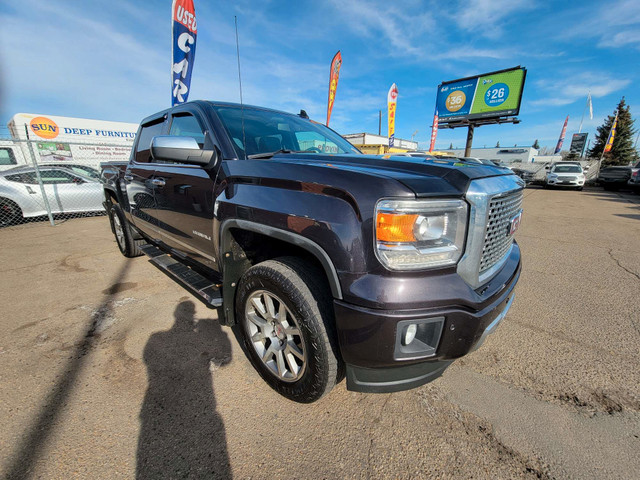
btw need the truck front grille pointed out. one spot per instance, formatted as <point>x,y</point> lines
<point>498,241</point>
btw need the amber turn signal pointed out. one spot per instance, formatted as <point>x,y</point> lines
<point>393,227</point>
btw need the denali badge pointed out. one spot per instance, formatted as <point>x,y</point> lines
<point>200,234</point>
<point>514,223</point>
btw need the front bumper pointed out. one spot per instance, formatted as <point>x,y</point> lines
<point>369,343</point>
<point>561,182</point>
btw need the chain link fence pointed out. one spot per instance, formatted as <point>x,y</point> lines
<point>52,180</point>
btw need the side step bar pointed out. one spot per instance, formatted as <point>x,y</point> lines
<point>204,289</point>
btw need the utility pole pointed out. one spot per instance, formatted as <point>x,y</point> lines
<point>379,122</point>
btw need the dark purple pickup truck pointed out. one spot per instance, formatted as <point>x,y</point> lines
<point>325,261</point>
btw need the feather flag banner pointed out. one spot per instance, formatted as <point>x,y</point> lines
<point>185,30</point>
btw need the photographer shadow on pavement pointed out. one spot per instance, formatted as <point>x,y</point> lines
<point>181,434</point>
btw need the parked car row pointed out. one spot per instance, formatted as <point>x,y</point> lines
<point>617,177</point>
<point>70,189</point>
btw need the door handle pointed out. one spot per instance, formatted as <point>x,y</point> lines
<point>158,182</point>
<point>127,177</point>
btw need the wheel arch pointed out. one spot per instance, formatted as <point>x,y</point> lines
<point>235,259</point>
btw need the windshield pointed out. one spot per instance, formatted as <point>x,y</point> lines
<point>267,131</point>
<point>567,169</point>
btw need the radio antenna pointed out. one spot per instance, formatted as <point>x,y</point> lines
<point>244,139</point>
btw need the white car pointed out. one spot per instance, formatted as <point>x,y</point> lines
<point>66,191</point>
<point>565,175</point>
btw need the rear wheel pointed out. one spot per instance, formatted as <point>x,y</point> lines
<point>123,233</point>
<point>10,212</point>
<point>286,316</point>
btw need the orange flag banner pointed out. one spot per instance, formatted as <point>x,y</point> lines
<point>333,82</point>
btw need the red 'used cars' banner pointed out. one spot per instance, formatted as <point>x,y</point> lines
<point>333,82</point>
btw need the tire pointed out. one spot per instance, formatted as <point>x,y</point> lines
<point>301,357</point>
<point>579,189</point>
<point>124,236</point>
<point>10,212</point>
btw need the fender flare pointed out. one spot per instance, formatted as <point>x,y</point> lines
<point>234,267</point>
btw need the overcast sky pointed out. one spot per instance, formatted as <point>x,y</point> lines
<point>111,59</point>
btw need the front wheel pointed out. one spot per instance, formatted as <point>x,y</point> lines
<point>285,312</point>
<point>123,233</point>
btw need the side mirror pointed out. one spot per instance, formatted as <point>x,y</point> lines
<point>170,148</point>
<point>547,167</point>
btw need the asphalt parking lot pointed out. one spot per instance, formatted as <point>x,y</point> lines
<point>110,370</point>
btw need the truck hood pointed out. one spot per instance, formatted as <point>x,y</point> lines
<point>423,176</point>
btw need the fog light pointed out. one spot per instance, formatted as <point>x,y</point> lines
<point>410,334</point>
<point>418,338</point>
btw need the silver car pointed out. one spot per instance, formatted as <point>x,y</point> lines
<point>66,191</point>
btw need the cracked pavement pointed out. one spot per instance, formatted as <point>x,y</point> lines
<point>110,370</point>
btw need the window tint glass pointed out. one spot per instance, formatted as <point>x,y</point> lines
<point>187,126</point>
<point>57,177</point>
<point>315,142</point>
<point>86,171</point>
<point>7,157</point>
<point>22,178</point>
<point>143,152</point>
<point>262,131</point>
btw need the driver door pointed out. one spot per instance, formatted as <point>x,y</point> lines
<point>184,198</point>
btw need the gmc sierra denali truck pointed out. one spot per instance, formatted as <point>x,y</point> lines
<point>326,262</point>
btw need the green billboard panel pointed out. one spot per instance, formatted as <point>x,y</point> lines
<point>496,94</point>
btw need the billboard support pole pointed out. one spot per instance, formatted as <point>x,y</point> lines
<point>467,148</point>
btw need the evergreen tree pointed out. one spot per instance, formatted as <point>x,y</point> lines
<point>536,145</point>
<point>622,151</point>
<point>451,146</point>
<point>498,144</point>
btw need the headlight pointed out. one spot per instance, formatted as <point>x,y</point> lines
<point>419,234</point>
<point>552,176</point>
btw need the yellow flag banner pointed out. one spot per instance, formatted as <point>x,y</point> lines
<point>333,82</point>
<point>392,98</point>
<point>612,134</point>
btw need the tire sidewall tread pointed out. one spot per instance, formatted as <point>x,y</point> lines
<point>296,283</point>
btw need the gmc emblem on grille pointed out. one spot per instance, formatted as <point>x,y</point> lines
<point>514,223</point>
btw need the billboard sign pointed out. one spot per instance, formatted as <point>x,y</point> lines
<point>496,94</point>
<point>578,142</point>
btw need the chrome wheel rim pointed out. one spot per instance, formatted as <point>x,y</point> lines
<point>117,226</point>
<point>275,335</point>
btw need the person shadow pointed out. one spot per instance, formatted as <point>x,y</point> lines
<point>181,434</point>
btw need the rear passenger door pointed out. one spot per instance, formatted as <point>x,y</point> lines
<point>139,178</point>
<point>184,197</point>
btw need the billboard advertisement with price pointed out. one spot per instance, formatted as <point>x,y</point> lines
<point>496,94</point>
